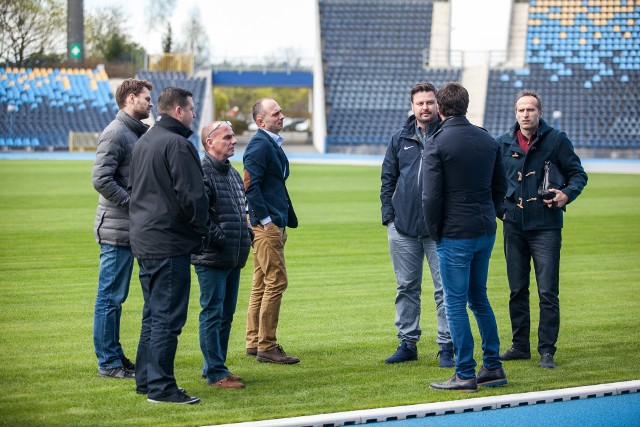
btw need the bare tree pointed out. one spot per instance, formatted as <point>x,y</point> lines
<point>31,31</point>
<point>159,12</point>
<point>107,39</point>
<point>196,41</point>
<point>158,15</point>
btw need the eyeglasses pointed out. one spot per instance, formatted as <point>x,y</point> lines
<point>226,122</point>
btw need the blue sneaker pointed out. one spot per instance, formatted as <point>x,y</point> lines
<point>446,357</point>
<point>405,352</point>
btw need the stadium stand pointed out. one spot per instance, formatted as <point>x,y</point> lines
<point>373,52</point>
<point>196,85</point>
<point>39,107</point>
<point>583,57</point>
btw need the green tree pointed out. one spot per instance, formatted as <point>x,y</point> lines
<point>167,40</point>
<point>32,32</point>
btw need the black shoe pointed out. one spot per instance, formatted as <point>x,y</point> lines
<point>119,372</point>
<point>446,357</point>
<point>144,391</point>
<point>546,361</point>
<point>489,378</point>
<point>515,354</point>
<point>457,384</point>
<point>178,398</point>
<point>128,364</point>
<point>406,352</point>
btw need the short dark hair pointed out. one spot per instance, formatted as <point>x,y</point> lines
<point>131,86</point>
<point>258,108</point>
<point>529,92</point>
<point>171,97</point>
<point>422,87</point>
<point>453,100</point>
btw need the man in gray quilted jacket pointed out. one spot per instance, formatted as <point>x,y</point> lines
<point>110,176</point>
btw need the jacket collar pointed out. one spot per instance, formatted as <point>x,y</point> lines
<point>273,137</point>
<point>542,130</point>
<point>136,126</point>
<point>222,167</point>
<point>409,128</point>
<point>454,121</point>
<point>173,125</point>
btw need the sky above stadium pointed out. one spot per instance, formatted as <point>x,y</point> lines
<point>259,29</point>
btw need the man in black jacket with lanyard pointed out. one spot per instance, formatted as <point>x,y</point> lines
<point>462,189</point>
<point>533,225</point>
<point>169,213</point>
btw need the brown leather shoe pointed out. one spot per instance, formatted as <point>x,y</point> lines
<point>252,351</point>
<point>227,382</point>
<point>235,377</point>
<point>276,355</point>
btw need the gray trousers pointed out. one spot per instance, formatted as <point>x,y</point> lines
<point>407,257</point>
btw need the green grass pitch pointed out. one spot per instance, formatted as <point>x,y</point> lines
<point>337,314</point>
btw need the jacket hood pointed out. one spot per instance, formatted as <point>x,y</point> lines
<point>543,129</point>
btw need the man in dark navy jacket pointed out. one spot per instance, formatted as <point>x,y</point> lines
<point>409,241</point>
<point>169,213</point>
<point>463,187</point>
<point>533,224</point>
<point>266,169</point>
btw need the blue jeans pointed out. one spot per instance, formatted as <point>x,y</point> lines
<point>116,265</point>
<point>464,266</point>
<point>218,297</point>
<point>407,257</point>
<point>543,246</point>
<point>166,284</point>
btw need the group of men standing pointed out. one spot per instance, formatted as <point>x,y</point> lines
<point>162,204</point>
<point>444,182</point>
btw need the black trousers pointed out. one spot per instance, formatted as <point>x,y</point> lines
<point>543,247</point>
<point>166,284</point>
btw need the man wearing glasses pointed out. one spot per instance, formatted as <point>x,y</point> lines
<point>218,267</point>
<point>266,169</point>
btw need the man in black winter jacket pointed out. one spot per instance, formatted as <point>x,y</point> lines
<point>219,266</point>
<point>168,212</point>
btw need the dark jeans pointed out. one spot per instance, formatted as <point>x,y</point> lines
<point>165,286</point>
<point>218,298</point>
<point>543,246</point>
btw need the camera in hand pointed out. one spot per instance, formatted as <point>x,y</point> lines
<point>552,178</point>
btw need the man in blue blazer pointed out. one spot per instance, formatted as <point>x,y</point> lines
<point>266,169</point>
